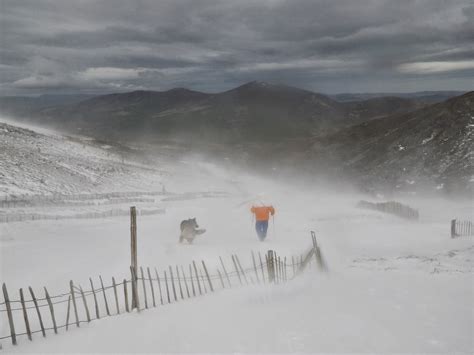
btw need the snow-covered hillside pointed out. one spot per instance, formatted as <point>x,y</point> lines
<point>45,162</point>
<point>393,285</point>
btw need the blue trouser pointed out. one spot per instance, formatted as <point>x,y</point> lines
<point>261,228</point>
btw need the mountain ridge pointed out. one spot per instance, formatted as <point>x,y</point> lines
<point>253,111</point>
<point>432,144</point>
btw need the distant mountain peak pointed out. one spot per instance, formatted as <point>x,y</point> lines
<point>180,90</point>
<point>255,85</point>
<point>261,84</point>
<point>264,86</point>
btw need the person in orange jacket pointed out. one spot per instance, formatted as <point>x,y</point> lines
<point>262,215</point>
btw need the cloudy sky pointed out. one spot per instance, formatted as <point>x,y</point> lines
<point>327,46</point>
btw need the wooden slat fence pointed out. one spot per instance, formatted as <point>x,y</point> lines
<point>52,314</point>
<point>391,207</point>
<point>461,228</point>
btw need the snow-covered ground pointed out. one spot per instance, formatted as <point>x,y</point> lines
<point>39,161</point>
<point>392,286</point>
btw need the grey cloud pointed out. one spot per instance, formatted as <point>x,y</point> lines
<point>216,44</point>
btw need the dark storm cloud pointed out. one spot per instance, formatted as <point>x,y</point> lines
<point>323,45</point>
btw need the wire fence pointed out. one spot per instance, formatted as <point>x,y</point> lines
<point>143,289</point>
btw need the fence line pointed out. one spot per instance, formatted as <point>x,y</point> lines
<point>179,286</point>
<point>461,228</point>
<point>25,200</point>
<point>71,203</point>
<point>74,197</point>
<point>392,207</point>
<point>97,290</point>
<point>21,217</point>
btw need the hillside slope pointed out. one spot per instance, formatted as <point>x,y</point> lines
<point>433,143</point>
<point>47,163</point>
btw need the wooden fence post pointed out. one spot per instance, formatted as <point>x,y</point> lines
<point>317,254</point>
<point>261,266</point>
<point>9,314</point>
<point>255,267</point>
<point>236,268</point>
<point>51,309</point>
<point>267,263</point>
<point>280,269</point>
<point>95,299</point>
<point>159,285</point>
<point>207,275</point>
<point>172,283</point>
<point>71,286</point>
<point>179,283</point>
<point>68,311</point>
<point>270,267</point>
<point>283,269</point>
<point>125,294</point>
<point>151,286</point>
<point>185,281</point>
<point>191,279</point>
<point>35,301</point>
<point>202,281</point>
<point>241,269</point>
<point>116,296</point>
<point>225,272</point>
<point>135,288</point>
<point>133,250</point>
<point>276,267</point>
<point>453,228</point>
<point>25,315</point>
<point>85,305</point>
<point>144,287</point>
<point>293,265</point>
<point>167,288</point>
<point>220,277</point>
<point>197,277</point>
<point>105,296</point>
<point>315,247</point>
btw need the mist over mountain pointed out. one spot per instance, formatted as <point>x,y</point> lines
<point>256,111</point>
<point>431,147</point>
<point>421,96</point>
<point>28,105</point>
<point>389,142</point>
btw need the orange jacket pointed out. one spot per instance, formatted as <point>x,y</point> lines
<point>262,213</point>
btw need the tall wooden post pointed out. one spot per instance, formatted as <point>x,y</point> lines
<point>133,250</point>
<point>317,253</point>
<point>453,228</point>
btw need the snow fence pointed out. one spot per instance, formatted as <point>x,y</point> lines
<point>144,289</point>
